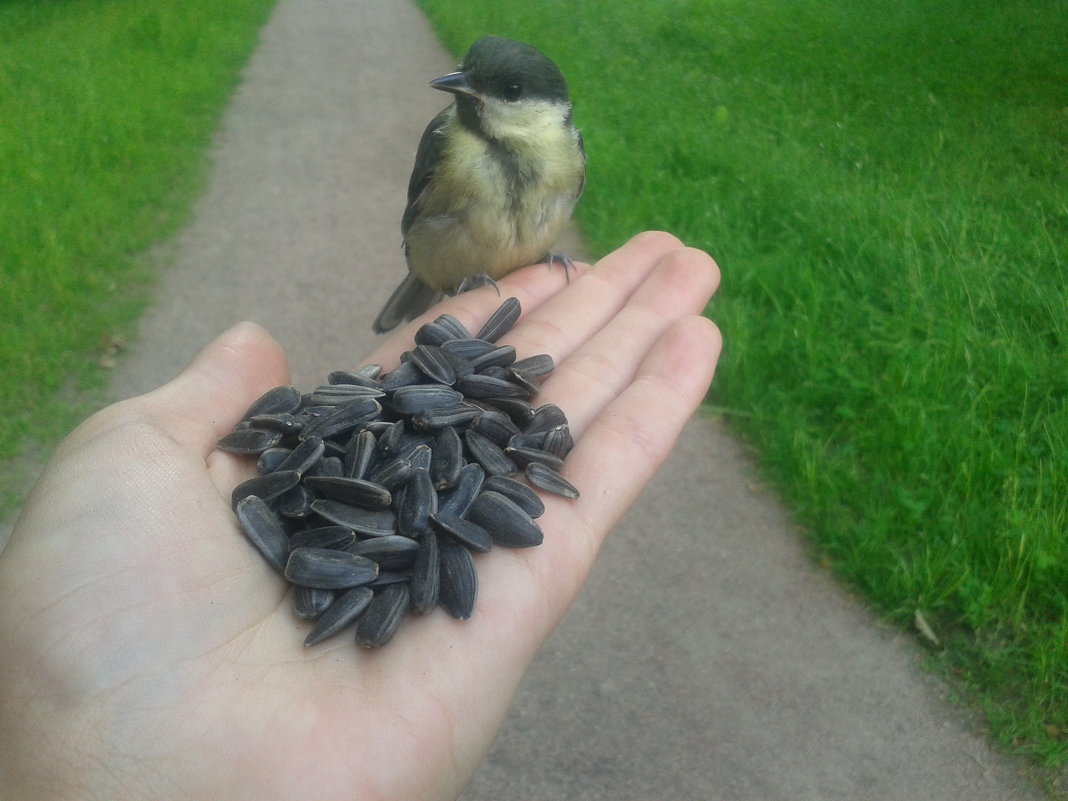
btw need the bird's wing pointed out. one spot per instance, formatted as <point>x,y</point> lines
<point>427,157</point>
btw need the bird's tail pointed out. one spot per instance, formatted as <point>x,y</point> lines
<point>408,301</point>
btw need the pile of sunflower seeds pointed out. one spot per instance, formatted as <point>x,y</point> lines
<point>374,490</point>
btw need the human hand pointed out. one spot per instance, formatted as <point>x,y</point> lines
<point>146,651</point>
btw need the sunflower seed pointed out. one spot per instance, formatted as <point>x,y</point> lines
<point>391,577</point>
<point>500,356</point>
<point>468,534</point>
<point>501,321</point>
<point>506,522</point>
<point>390,552</point>
<point>264,530</point>
<point>456,329</point>
<point>344,418</point>
<point>496,426</point>
<point>310,602</point>
<point>343,611</point>
<point>460,366</point>
<point>378,427</point>
<point>312,414</point>
<point>415,450</point>
<point>355,491</point>
<point>481,404</point>
<point>496,372</point>
<point>267,487</point>
<point>275,401</point>
<point>391,440</point>
<point>540,365</point>
<point>432,334</point>
<point>420,501</point>
<point>522,440</point>
<point>558,441</point>
<point>333,537</point>
<point>468,349</point>
<point>526,498</point>
<point>459,583</point>
<point>430,360</point>
<point>359,454</point>
<point>523,379</point>
<point>406,373</point>
<point>379,621</point>
<point>420,457</point>
<point>353,377</point>
<point>309,409</point>
<point>392,474</point>
<point>425,581</point>
<point>479,385</point>
<point>337,394</point>
<point>369,371</point>
<point>549,480</point>
<point>327,466</point>
<point>271,459</point>
<point>446,459</point>
<point>305,456</point>
<point>545,417</point>
<point>249,441</point>
<point>457,502</point>
<point>372,522</point>
<point>285,422</point>
<point>518,409</point>
<point>329,569</point>
<point>295,503</point>
<point>423,398</point>
<point>436,419</point>
<point>492,458</point>
<point>524,456</point>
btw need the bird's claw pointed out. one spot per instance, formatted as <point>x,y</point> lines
<point>565,261</point>
<point>475,281</point>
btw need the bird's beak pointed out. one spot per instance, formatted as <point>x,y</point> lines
<point>455,83</point>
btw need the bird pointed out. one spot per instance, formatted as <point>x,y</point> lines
<point>497,174</point>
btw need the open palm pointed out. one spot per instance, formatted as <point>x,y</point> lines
<point>146,651</point>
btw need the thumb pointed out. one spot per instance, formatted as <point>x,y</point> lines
<point>205,400</point>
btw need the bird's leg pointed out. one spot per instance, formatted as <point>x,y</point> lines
<point>475,281</point>
<point>563,260</point>
<point>482,279</point>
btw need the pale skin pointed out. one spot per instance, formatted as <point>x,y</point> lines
<point>146,651</point>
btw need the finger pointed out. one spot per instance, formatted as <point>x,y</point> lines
<point>593,375</point>
<point>209,396</point>
<point>205,401</point>
<point>626,444</point>
<point>610,465</point>
<point>532,286</point>
<point>563,323</point>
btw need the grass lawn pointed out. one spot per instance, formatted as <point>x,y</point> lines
<point>107,110</point>
<point>884,186</point>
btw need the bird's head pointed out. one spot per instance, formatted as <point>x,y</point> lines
<point>508,90</point>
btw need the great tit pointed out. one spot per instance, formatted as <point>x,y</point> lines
<point>496,176</point>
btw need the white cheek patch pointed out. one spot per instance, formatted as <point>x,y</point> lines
<point>525,120</point>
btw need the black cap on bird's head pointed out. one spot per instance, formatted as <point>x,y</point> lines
<point>503,69</point>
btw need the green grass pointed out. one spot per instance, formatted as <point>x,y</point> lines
<point>106,109</point>
<point>884,186</point>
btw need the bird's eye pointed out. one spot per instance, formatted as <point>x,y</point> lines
<point>512,92</point>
